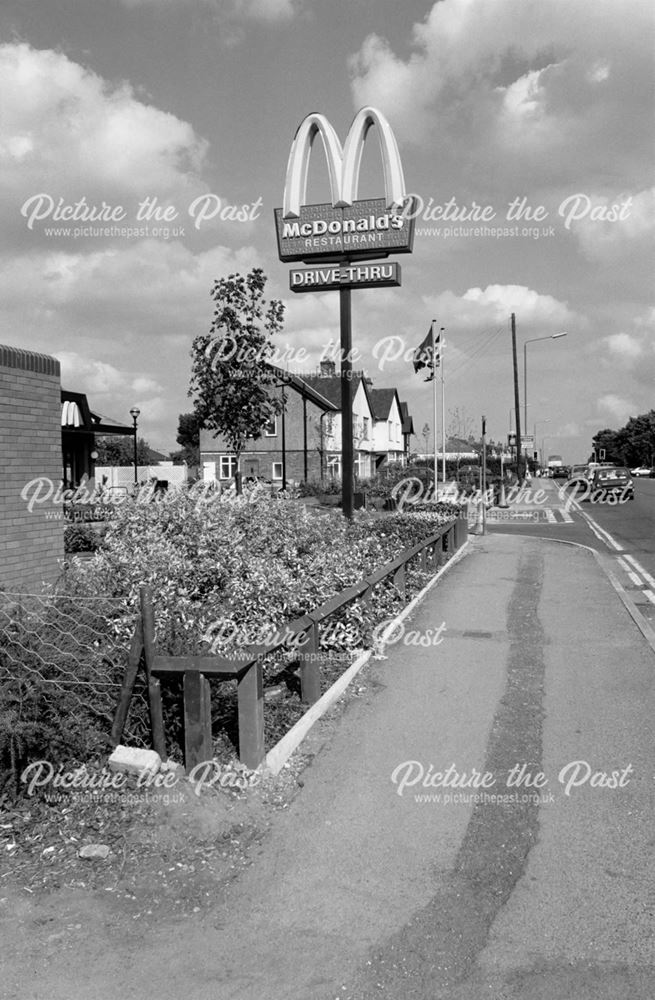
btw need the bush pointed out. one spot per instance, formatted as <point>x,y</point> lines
<point>82,538</point>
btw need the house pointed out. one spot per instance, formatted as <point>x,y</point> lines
<point>304,442</point>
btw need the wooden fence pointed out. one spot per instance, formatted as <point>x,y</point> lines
<point>247,670</point>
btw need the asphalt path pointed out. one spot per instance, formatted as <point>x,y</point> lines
<point>623,533</point>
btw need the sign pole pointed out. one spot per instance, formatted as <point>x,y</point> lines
<point>346,403</point>
<point>434,412</point>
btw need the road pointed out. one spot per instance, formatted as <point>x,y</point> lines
<point>625,532</point>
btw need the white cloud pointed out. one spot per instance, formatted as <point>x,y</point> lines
<point>268,11</point>
<point>615,407</point>
<point>609,228</point>
<point>494,304</point>
<point>538,88</point>
<point>624,345</point>
<point>68,133</point>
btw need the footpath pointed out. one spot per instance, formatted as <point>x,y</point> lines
<point>478,825</point>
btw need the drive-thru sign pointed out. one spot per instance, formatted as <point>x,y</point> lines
<point>347,234</point>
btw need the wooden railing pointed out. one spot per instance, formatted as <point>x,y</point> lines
<point>247,670</point>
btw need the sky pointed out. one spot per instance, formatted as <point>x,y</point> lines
<point>172,121</point>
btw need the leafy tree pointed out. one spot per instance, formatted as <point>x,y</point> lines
<point>188,435</point>
<point>631,445</point>
<point>231,379</point>
<point>119,450</point>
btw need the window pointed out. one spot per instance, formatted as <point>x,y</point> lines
<point>277,470</point>
<point>366,428</point>
<point>228,466</point>
<point>270,429</point>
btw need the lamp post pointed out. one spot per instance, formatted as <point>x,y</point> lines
<point>532,340</point>
<point>546,420</point>
<point>134,413</point>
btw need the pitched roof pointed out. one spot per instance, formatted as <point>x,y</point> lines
<point>408,422</point>
<point>381,402</point>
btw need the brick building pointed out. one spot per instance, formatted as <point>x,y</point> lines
<point>304,442</point>
<point>31,542</point>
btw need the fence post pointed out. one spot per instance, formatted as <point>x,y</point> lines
<point>154,690</point>
<point>133,661</point>
<point>310,673</point>
<point>250,687</point>
<point>197,719</point>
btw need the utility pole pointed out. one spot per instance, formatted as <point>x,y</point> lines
<point>483,477</point>
<point>346,404</point>
<point>516,402</point>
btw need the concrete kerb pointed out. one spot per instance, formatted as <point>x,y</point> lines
<point>277,757</point>
<point>605,565</point>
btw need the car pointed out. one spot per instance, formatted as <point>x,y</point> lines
<point>560,472</point>
<point>643,471</point>
<point>611,480</point>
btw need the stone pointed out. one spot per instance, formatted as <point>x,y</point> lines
<point>133,760</point>
<point>94,851</point>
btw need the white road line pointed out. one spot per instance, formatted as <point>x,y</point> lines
<point>601,533</point>
<point>623,564</point>
<point>566,517</point>
<point>638,582</point>
<point>650,595</point>
<point>647,577</point>
<point>550,516</point>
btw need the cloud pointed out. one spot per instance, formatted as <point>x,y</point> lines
<point>495,303</point>
<point>247,10</point>
<point>608,229</point>
<point>542,90</point>
<point>68,133</point>
<point>615,407</point>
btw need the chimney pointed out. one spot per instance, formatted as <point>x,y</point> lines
<point>327,368</point>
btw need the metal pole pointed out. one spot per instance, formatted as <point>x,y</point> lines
<point>346,403</point>
<point>443,411</point>
<point>434,409</point>
<point>483,477</point>
<point>517,412</point>
<point>284,444</point>
<point>525,386</point>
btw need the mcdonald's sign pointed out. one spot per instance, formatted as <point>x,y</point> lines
<point>346,228</point>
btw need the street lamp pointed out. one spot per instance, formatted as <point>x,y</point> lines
<point>134,413</point>
<point>546,420</point>
<point>553,336</point>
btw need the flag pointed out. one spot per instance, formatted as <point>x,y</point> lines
<point>428,352</point>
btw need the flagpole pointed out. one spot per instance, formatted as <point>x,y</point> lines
<point>434,406</point>
<point>443,408</point>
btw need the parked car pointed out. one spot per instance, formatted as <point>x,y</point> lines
<point>612,479</point>
<point>643,471</point>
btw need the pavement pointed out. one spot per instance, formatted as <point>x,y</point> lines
<point>478,824</point>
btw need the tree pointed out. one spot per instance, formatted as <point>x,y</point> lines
<point>119,450</point>
<point>231,379</point>
<point>188,435</point>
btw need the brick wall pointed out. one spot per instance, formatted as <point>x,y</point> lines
<point>31,545</point>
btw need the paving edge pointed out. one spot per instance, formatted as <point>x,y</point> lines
<point>605,563</point>
<point>277,757</point>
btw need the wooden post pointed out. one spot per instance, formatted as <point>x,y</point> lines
<point>399,581</point>
<point>251,715</point>
<point>310,671</point>
<point>197,719</point>
<point>154,691</point>
<point>129,677</point>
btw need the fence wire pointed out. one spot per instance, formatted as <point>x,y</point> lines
<point>65,656</point>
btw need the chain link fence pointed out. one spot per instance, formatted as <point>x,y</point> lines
<point>62,660</point>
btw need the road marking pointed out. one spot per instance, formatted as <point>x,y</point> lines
<point>600,533</point>
<point>550,516</point>
<point>640,569</point>
<point>650,595</point>
<point>566,517</point>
